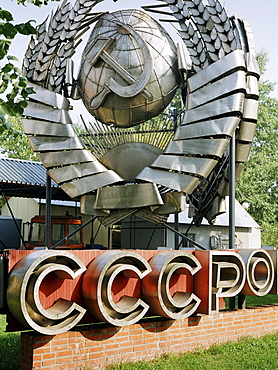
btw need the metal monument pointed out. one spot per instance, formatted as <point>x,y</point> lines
<point>118,164</point>
<point>128,160</point>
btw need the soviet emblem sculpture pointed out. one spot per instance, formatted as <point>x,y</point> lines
<point>117,169</point>
<point>130,67</point>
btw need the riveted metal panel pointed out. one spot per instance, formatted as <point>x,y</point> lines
<point>216,127</point>
<point>238,170</point>
<point>129,196</point>
<point>217,69</point>
<point>252,86</point>
<point>199,166</point>
<point>173,202</point>
<point>226,85</point>
<point>90,183</point>
<point>247,131</point>
<point>242,152</point>
<point>129,159</point>
<point>214,147</point>
<point>251,109</point>
<point>48,143</point>
<point>231,105</point>
<point>36,127</point>
<point>60,158</point>
<point>173,180</point>
<point>87,206</point>
<point>40,111</point>
<point>71,172</point>
<point>48,97</point>
<point>252,64</point>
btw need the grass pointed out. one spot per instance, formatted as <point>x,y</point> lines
<point>9,347</point>
<point>248,353</point>
<point>257,301</point>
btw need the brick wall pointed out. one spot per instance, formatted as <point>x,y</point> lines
<point>96,346</point>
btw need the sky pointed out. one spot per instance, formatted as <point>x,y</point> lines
<point>261,15</point>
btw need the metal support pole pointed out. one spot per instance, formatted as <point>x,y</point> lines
<point>109,238</point>
<point>48,213</point>
<point>130,233</point>
<point>232,301</point>
<point>176,228</point>
<point>241,301</point>
<point>176,215</point>
<point>92,241</point>
<point>232,194</point>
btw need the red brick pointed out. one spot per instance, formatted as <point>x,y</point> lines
<point>48,362</point>
<point>98,347</point>
<point>48,356</point>
<point>37,364</point>
<point>96,355</point>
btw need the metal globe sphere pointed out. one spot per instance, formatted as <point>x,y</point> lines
<point>128,72</point>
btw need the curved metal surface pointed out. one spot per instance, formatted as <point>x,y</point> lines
<point>260,272</point>
<point>156,285</point>
<point>139,84</point>
<point>228,275</point>
<point>129,159</point>
<point>128,71</point>
<point>128,196</point>
<point>72,172</point>
<point>64,158</point>
<point>23,291</point>
<point>97,287</point>
<point>87,184</point>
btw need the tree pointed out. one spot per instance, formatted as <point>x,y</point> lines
<point>258,183</point>
<point>13,86</point>
<point>14,143</point>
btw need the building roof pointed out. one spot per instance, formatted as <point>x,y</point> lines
<point>22,178</point>
<point>242,217</point>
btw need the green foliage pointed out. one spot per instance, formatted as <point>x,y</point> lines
<point>270,233</point>
<point>9,347</point>
<point>258,182</point>
<point>13,86</point>
<point>14,143</point>
<point>35,2</point>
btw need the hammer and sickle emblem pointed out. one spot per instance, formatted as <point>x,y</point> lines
<point>135,86</point>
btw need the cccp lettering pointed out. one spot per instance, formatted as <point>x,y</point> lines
<point>172,284</point>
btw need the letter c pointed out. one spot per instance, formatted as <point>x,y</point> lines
<point>24,286</point>
<point>97,287</point>
<point>156,286</point>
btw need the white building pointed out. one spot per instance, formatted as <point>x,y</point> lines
<point>140,234</point>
